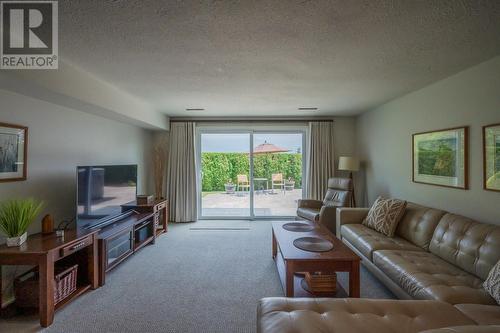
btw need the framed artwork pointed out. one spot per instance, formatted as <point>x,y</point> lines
<point>13,152</point>
<point>491,157</point>
<point>441,157</point>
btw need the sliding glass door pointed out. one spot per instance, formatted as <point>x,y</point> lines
<point>277,173</point>
<point>250,174</point>
<point>225,175</point>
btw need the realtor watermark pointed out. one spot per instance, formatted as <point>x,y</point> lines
<point>29,35</point>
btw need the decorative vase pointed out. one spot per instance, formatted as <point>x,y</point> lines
<point>17,241</point>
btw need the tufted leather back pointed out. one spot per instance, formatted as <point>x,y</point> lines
<point>418,224</point>
<point>339,192</point>
<point>472,246</point>
<point>315,315</point>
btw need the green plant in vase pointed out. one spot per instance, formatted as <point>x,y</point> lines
<point>15,218</point>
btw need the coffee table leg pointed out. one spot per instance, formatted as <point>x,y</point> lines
<point>275,246</point>
<point>354,280</point>
<point>289,278</point>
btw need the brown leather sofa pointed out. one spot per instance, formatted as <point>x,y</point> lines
<point>338,195</point>
<point>436,263</point>
<point>434,255</point>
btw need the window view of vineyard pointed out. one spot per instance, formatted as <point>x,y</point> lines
<point>226,181</point>
<point>438,157</point>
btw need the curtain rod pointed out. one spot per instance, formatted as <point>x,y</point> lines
<point>248,120</point>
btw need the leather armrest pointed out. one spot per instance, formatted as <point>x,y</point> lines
<point>309,203</point>
<point>327,217</point>
<point>350,216</point>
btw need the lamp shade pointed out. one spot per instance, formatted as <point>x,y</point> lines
<point>348,163</point>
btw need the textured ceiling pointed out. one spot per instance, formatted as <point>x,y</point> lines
<point>258,58</point>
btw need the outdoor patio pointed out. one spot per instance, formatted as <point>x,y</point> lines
<point>267,203</point>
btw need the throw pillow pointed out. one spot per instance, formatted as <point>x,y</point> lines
<point>492,282</point>
<point>384,215</point>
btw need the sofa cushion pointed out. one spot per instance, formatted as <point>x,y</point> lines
<point>367,240</point>
<point>472,246</point>
<point>418,223</point>
<point>480,313</point>
<point>315,315</point>
<point>492,283</point>
<point>311,214</point>
<point>424,276</point>
<point>384,215</point>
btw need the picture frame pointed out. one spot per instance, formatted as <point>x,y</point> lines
<point>13,152</point>
<point>441,157</point>
<point>491,157</point>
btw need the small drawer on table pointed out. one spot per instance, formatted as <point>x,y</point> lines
<point>67,250</point>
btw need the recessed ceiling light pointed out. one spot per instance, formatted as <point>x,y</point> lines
<point>195,109</point>
<point>308,109</point>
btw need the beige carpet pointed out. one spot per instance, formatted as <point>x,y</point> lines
<point>189,281</point>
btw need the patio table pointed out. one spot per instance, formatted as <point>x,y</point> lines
<point>262,180</point>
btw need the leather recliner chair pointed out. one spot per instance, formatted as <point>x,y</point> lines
<point>338,195</point>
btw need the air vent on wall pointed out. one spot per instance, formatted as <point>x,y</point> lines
<point>308,109</point>
<point>195,109</point>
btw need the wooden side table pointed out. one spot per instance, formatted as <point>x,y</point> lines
<point>45,251</point>
<point>158,207</point>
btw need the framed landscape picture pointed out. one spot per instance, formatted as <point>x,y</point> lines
<point>491,156</point>
<point>441,157</point>
<point>13,152</point>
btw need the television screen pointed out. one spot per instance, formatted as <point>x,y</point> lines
<point>102,190</point>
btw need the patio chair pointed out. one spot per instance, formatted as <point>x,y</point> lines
<point>242,183</point>
<point>277,181</point>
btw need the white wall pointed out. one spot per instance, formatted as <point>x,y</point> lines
<point>469,98</point>
<point>60,139</point>
<point>74,88</point>
<point>344,141</point>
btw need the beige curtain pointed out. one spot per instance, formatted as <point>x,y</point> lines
<point>320,161</point>
<point>181,173</point>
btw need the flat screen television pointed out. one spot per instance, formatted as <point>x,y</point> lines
<point>101,192</point>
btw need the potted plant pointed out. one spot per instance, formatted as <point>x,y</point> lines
<point>289,184</point>
<point>229,186</point>
<point>15,218</point>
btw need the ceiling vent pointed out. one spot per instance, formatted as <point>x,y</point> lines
<point>308,109</point>
<point>195,109</point>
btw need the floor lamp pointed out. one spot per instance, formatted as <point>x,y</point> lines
<point>351,164</point>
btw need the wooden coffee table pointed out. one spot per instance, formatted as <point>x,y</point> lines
<point>291,260</point>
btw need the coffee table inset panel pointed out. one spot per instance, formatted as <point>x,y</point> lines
<point>294,260</point>
<point>313,244</point>
<point>298,227</point>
